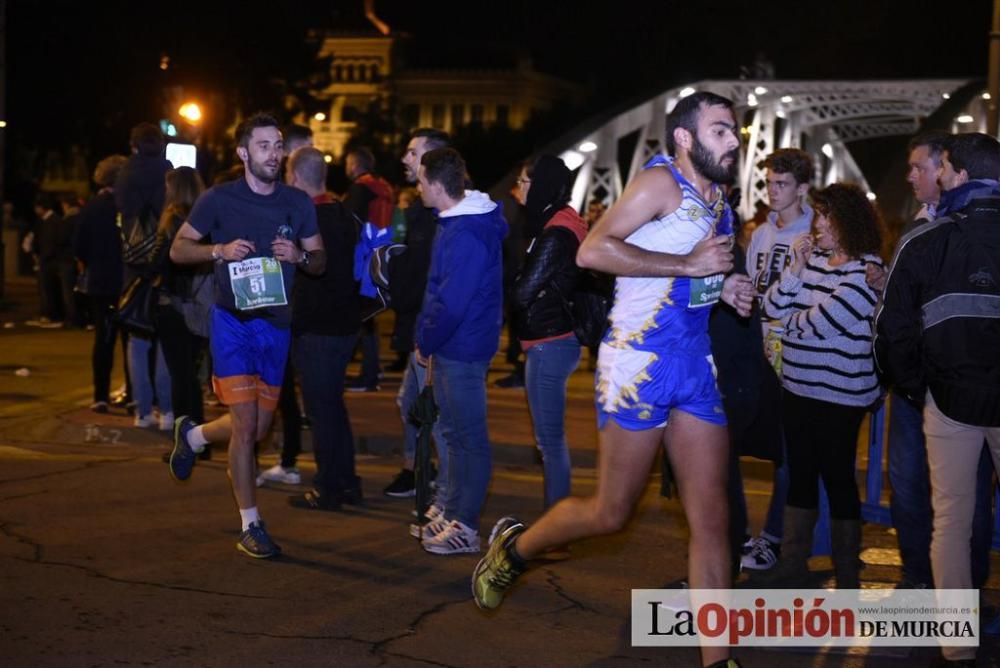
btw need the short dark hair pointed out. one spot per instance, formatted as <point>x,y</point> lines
<point>685,114</point>
<point>364,157</point>
<point>48,201</point>
<point>433,138</point>
<point>936,143</point>
<point>69,199</point>
<point>245,129</point>
<point>147,139</point>
<point>852,214</point>
<point>792,161</point>
<point>294,132</point>
<point>445,166</point>
<point>977,153</point>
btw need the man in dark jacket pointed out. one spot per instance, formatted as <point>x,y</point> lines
<point>141,182</point>
<point>326,315</point>
<point>938,341</point>
<point>98,250</point>
<point>407,282</point>
<point>56,267</point>
<point>910,503</point>
<point>370,198</point>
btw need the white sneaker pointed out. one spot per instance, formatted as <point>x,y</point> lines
<point>455,539</point>
<point>166,421</point>
<point>762,555</point>
<point>144,421</point>
<point>435,524</point>
<point>279,474</point>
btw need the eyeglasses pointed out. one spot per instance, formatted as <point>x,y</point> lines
<point>522,181</point>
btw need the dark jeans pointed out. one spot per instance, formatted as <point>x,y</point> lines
<point>370,364</point>
<point>322,365</point>
<point>102,357</point>
<point>126,367</point>
<point>822,440</point>
<point>57,279</point>
<point>910,504</point>
<point>182,351</point>
<point>291,418</point>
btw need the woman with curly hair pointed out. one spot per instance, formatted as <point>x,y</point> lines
<point>826,309</point>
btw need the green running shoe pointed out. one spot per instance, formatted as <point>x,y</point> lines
<point>496,572</point>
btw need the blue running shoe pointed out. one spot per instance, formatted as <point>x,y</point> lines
<point>256,543</point>
<point>182,458</point>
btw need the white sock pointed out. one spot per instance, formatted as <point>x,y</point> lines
<point>249,516</point>
<point>196,439</point>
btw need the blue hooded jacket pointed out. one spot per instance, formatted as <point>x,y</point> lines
<point>462,310</point>
<point>958,198</point>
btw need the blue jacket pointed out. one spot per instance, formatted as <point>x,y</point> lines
<point>462,310</point>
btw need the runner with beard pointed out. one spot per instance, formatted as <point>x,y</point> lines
<point>260,230</point>
<point>668,239</point>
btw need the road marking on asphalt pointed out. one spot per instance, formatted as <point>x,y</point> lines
<point>24,454</point>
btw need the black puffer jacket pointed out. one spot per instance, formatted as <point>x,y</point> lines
<point>549,274</point>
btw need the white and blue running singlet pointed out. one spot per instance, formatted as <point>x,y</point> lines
<point>656,355</point>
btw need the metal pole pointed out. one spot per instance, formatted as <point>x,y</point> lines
<point>992,108</point>
<point>3,130</point>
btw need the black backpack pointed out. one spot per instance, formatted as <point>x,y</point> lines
<point>138,236</point>
<point>589,306</point>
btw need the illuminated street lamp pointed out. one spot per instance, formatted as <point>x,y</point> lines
<point>319,116</point>
<point>191,112</point>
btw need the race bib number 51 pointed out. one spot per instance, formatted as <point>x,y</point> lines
<point>257,282</point>
<point>706,291</point>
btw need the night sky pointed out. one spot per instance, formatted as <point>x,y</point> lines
<point>84,72</point>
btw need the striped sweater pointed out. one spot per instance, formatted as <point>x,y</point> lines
<point>827,346</point>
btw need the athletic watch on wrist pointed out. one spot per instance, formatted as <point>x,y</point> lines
<point>304,262</point>
<point>217,252</point>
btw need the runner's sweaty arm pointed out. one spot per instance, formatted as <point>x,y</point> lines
<point>652,194</point>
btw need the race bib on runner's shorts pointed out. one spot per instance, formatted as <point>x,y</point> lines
<point>257,282</point>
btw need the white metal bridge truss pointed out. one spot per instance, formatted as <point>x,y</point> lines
<point>821,117</point>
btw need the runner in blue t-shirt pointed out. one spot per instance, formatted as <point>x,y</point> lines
<point>256,225</point>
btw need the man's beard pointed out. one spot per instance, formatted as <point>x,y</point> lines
<point>707,166</point>
<point>262,172</point>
